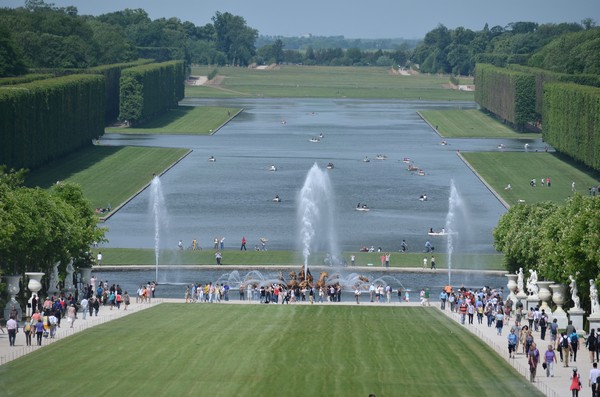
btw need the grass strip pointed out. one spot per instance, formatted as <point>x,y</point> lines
<point>499,169</point>
<point>183,120</point>
<point>141,256</point>
<point>252,350</point>
<point>470,123</point>
<point>291,81</point>
<point>108,175</point>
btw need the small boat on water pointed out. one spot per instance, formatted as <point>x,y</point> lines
<point>321,136</point>
<point>406,160</point>
<point>421,172</point>
<point>314,140</point>
<point>277,199</point>
<point>423,197</point>
<point>443,143</point>
<point>381,157</point>
<point>212,159</point>
<point>362,207</point>
<point>329,166</point>
<point>412,167</point>
<point>366,160</point>
<point>272,168</point>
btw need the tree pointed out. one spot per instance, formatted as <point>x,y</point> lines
<point>234,38</point>
<point>11,60</point>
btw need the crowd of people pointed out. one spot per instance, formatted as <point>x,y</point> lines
<point>529,333</point>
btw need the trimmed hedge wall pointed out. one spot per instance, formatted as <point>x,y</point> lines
<point>508,94</point>
<point>572,121</point>
<point>27,78</point>
<point>149,90</point>
<point>543,76</point>
<point>43,120</point>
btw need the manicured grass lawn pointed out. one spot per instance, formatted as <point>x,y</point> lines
<point>325,82</point>
<point>108,174</point>
<point>470,123</point>
<point>140,256</point>
<point>500,169</point>
<point>183,120</point>
<point>270,350</point>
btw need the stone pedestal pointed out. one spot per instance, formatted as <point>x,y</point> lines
<point>532,301</point>
<point>594,320</point>
<point>12,305</point>
<point>576,317</point>
<point>545,295</point>
<point>512,286</point>
<point>558,297</point>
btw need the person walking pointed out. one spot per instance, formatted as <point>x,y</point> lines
<point>590,343</point>
<point>549,361</point>
<point>39,331</point>
<point>357,295</point>
<point>99,258</point>
<point>218,257</point>
<point>499,322</point>
<point>543,323</point>
<point>13,328</point>
<point>593,380</point>
<point>575,383</point>
<point>432,262</point>
<point>512,343</point>
<point>565,346</point>
<point>534,358</point>
<point>71,314</point>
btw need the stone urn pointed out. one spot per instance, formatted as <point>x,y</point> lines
<point>85,272</point>
<point>13,286</point>
<point>558,297</point>
<point>512,286</point>
<point>34,284</point>
<point>545,294</point>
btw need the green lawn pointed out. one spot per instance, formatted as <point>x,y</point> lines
<point>325,82</point>
<point>471,123</point>
<point>234,257</point>
<point>500,169</point>
<point>183,120</point>
<point>108,175</point>
<point>270,350</point>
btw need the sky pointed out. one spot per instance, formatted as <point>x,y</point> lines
<point>357,19</point>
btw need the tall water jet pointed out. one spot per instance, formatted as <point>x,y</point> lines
<point>158,211</point>
<point>316,215</point>
<point>454,203</point>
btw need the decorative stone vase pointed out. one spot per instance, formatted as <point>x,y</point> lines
<point>545,295</point>
<point>558,296</point>
<point>85,272</point>
<point>13,286</point>
<point>512,286</point>
<point>35,284</point>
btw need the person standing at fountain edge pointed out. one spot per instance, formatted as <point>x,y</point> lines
<point>432,261</point>
<point>99,258</point>
<point>222,243</point>
<point>243,247</point>
<point>218,257</point>
<point>403,246</point>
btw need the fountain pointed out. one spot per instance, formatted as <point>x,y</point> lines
<point>159,216</point>
<point>315,216</point>
<point>455,208</point>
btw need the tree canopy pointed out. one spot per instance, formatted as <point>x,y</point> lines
<point>557,241</point>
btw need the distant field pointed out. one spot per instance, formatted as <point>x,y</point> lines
<point>183,120</point>
<point>108,175</point>
<point>234,257</point>
<point>470,123</point>
<point>270,350</point>
<point>325,82</point>
<point>500,169</point>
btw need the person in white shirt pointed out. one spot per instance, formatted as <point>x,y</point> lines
<point>13,327</point>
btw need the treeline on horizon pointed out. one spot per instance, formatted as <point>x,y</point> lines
<point>39,36</point>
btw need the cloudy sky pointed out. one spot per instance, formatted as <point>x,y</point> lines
<point>351,18</point>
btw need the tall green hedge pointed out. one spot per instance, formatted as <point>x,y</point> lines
<point>26,78</point>
<point>543,76</point>
<point>572,121</point>
<point>149,90</point>
<point>508,94</point>
<point>112,75</point>
<point>45,119</point>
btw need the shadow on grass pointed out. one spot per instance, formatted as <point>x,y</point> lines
<point>577,165</point>
<point>69,165</point>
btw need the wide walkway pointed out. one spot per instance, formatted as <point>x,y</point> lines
<point>9,353</point>
<point>553,387</point>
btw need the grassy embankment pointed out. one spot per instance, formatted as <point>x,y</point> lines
<point>325,82</point>
<point>252,350</point>
<point>471,123</point>
<point>499,169</point>
<point>184,120</point>
<point>234,257</point>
